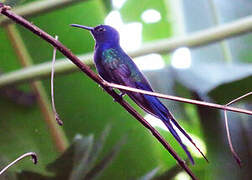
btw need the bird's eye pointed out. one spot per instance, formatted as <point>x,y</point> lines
<point>101,29</point>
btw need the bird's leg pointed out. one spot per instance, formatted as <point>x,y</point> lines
<point>121,94</point>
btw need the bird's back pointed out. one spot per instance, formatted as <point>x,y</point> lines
<point>110,58</point>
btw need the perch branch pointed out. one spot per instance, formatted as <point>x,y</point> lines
<point>97,79</point>
<point>180,99</point>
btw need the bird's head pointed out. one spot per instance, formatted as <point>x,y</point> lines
<point>102,33</point>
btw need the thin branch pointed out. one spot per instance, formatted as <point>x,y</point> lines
<point>57,134</point>
<point>239,98</point>
<point>95,78</point>
<point>179,99</point>
<point>196,39</point>
<point>38,7</point>
<point>59,121</point>
<point>235,155</point>
<point>32,154</point>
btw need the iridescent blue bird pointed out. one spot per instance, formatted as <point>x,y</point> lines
<point>115,66</point>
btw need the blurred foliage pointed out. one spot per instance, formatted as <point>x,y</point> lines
<point>86,109</point>
<point>79,161</point>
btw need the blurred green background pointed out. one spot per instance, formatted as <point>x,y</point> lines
<point>217,73</point>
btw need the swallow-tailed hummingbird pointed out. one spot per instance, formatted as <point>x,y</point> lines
<point>115,66</point>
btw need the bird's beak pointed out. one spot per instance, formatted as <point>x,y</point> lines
<point>83,27</point>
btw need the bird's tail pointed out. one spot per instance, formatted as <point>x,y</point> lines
<point>168,124</point>
<point>162,112</point>
<point>186,135</point>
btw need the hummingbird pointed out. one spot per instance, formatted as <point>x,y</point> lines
<point>115,66</point>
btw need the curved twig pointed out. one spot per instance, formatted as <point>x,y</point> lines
<point>59,121</point>
<point>32,154</point>
<point>235,155</point>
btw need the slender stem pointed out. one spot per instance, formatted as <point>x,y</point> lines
<point>57,134</point>
<point>95,78</point>
<point>32,154</point>
<point>235,155</point>
<point>239,98</point>
<point>180,99</point>
<point>38,7</point>
<point>59,121</point>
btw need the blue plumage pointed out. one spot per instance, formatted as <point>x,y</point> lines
<point>115,66</point>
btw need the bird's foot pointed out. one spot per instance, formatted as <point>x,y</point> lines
<point>121,94</point>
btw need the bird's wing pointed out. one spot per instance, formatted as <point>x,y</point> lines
<point>122,70</point>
